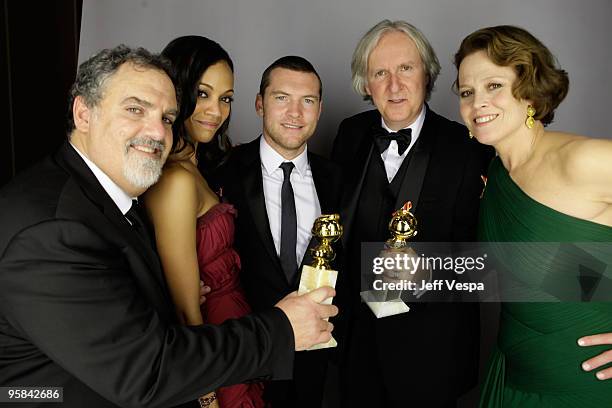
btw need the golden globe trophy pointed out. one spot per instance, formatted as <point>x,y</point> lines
<point>326,230</point>
<point>402,227</point>
<point>385,302</point>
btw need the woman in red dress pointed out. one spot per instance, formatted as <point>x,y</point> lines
<point>193,229</point>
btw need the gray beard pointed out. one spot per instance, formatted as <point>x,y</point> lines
<point>142,172</point>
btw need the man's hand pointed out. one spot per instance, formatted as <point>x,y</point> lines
<point>204,290</point>
<point>307,315</point>
<point>600,360</point>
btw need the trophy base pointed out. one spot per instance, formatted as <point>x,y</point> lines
<point>313,278</point>
<point>331,343</point>
<point>383,308</point>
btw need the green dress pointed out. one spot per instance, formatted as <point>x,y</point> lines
<point>537,362</point>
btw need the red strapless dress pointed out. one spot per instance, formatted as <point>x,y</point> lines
<point>219,267</point>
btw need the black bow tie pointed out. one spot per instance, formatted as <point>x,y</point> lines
<point>383,139</point>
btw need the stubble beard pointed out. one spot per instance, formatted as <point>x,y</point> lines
<point>285,143</point>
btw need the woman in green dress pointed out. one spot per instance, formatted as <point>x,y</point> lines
<point>544,186</point>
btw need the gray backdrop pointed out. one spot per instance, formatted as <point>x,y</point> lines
<point>256,32</point>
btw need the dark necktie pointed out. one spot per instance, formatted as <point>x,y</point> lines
<point>383,139</point>
<point>288,241</point>
<point>137,217</point>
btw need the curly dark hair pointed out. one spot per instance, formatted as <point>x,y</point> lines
<point>190,57</point>
<point>539,79</point>
<point>93,73</point>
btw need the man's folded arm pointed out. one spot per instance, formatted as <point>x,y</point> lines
<point>71,293</point>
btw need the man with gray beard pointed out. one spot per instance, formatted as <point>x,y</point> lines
<point>85,314</point>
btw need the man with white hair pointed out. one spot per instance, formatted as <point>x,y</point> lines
<point>403,151</point>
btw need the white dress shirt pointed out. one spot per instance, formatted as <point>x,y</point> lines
<point>391,157</point>
<point>307,206</point>
<point>119,197</point>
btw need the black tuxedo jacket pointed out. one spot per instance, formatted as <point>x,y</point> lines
<point>241,181</point>
<point>84,306</point>
<point>433,349</point>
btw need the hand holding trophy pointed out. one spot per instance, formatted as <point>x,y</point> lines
<point>326,230</point>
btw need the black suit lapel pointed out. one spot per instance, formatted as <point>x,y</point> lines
<point>325,189</point>
<point>254,195</point>
<point>68,158</point>
<point>410,189</point>
<point>325,194</point>
<point>351,195</point>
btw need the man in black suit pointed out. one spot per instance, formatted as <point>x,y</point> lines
<point>403,151</point>
<point>279,188</point>
<point>83,302</point>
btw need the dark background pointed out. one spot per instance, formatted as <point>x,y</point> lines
<point>39,46</point>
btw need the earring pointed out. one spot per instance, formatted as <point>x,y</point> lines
<point>530,121</point>
<point>470,133</point>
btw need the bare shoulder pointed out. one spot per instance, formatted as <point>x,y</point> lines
<point>583,159</point>
<point>176,186</point>
<point>175,177</point>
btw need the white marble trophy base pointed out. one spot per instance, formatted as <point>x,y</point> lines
<point>313,278</point>
<point>381,307</point>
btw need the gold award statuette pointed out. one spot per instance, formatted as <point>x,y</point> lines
<point>326,230</point>
<point>403,226</point>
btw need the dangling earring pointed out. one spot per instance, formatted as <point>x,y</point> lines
<point>530,121</point>
<point>470,133</point>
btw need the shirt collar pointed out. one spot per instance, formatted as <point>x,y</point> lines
<point>416,126</point>
<point>271,159</point>
<point>119,197</point>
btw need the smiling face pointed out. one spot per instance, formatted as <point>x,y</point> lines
<point>396,79</point>
<point>214,101</point>
<point>128,134</point>
<point>487,105</point>
<point>290,108</point>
